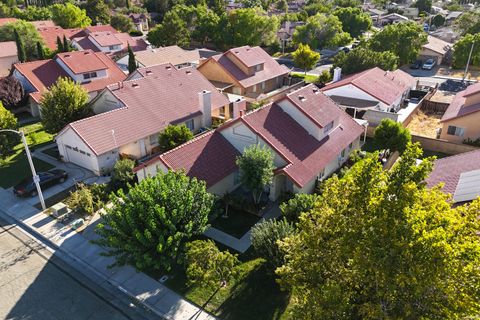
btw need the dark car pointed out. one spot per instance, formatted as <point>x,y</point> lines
<point>416,65</point>
<point>47,179</point>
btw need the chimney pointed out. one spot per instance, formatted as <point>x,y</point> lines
<point>337,74</point>
<point>239,107</point>
<point>205,103</point>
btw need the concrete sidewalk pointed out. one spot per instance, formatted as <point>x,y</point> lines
<point>149,292</point>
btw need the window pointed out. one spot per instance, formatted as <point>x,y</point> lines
<point>89,75</point>
<point>153,139</point>
<point>254,88</point>
<point>236,177</point>
<point>68,147</point>
<point>112,47</point>
<point>455,131</point>
<point>343,153</point>
<point>262,85</point>
<point>259,67</point>
<point>328,127</point>
<point>321,174</point>
<point>221,111</point>
<point>236,90</point>
<point>190,124</point>
<point>350,145</point>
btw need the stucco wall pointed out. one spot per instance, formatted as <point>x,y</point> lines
<point>301,118</point>
<point>470,123</point>
<point>427,53</point>
<point>214,72</point>
<point>106,101</point>
<point>70,138</point>
<point>6,65</point>
<point>225,185</point>
<point>442,146</point>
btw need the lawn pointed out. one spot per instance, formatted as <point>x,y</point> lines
<point>15,167</point>
<point>308,78</point>
<point>237,223</point>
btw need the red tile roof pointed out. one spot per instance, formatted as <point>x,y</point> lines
<point>164,96</point>
<point>386,86</point>
<point>108,39</point>
<point>449,169</point>
<point>8,49</point>
<point>105,39</point>
<point>43,23</point>
<point>208,157</point>
<point>82,61</point>
<point>50,34</point>
<point>42,74</point>
<point>271,68</point>
<point>100,28</point>
<point>457,107</point>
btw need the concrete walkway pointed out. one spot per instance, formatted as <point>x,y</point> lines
<point>241,245</point>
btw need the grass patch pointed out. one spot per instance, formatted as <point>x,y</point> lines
<point>15,167</point>
<point>237,223</point>
<point>308,78</point>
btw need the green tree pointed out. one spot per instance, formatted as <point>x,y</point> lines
<point>11,92</point>
<point>209,267</point>
<point>25,31</point>
<point>438,20</point>
<point>40,51</point>
<point>150,226</point>
<point>392,135</point>
<point>321,31</point>
<point>60,47</point>
<point>22,55</point>
<point>256,169</point>
<point>282,5</point>
<point>405,40</point>
<point>97,11</point>
<point>324,77</point>
<point>380,245</point>
<point>69,15</point>
<point>300,203</point>
<point>354,20</point>
<point>207,26</point>
<point>122,23</point>
<point>66,45</point>
<point>360,59</point>
<point>132,63</point>
<point>265,237</point>
<point>468,22</point>
<point>7,139</point>
<point>123,173</point>
<point>65,102</point>
<point>462,48</point>
<point>424,5</point>
<point>172,31</point>
<point>83,200</point>
<point>33,13</point>
<point>305,58</point>
<point>173,136</point>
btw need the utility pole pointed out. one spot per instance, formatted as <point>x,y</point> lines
<point>468,61</point>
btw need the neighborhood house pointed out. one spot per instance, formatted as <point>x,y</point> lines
<point>309,135</point>
<point>8,56</point>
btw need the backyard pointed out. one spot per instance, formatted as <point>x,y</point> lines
<point>237,223</point>
<point>15,167</point>
<point>425,124</point>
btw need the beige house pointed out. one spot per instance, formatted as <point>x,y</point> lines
<point>461,120</point>
<point>8,56</point>
<point>436,49</point>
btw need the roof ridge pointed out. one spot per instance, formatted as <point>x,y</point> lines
<point>456,155</point>
<point>97,115</point>
<point>198,137</point>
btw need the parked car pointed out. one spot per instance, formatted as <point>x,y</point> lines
<point>429,64</point>
<point>416,65</point>
<point>47,179</point>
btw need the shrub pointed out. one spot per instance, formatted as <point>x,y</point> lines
<point>301,202</point>
<point>123,173</point>
<point>135,33</point>
<point>173,136</point>
<point>392,135</point>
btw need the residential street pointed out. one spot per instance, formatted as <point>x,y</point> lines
<point>36,285</point>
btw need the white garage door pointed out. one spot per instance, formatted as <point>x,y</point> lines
<point>80,157</point>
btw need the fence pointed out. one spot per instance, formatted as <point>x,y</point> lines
<point>442,146</point>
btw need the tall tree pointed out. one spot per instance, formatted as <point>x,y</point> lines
<point>7,139</point>
<point>462,48</point>
<point>69,15</point>
<point>256,169</point>
<point>360,59</point>
<point>305,58</point>
<point>392,135</point>
<point>66,45</point>
<point>40,51</point>
<point>60,45</point>
<point>321,31</point>
<point>26,31</point>
<point>122,23</point>
<point>132,63</point>
<point>424,5</point>
<point>405,40</point>
<point>173,136</point>
<point>468,22</point>
<point>11,92</point>
<point>380,245</point>
<point>64,102</point>
<point>354,20</point>
<point>98,11</point>
<point>149,226</point>
<point>172,31</point>
<point>22,55</point>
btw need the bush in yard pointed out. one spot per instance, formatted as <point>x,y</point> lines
<point>256,169</point>
<point>392,135</point>
<point>123,173</point>
<point>265,236</point>
<point>173,136</point>
<point>65,102</point>
<point>305,58</point>
<point>324,77</point>
<point>209,267</point>
<point>300,203</point>
<point>82,200</point>
<point>149,227</point>
<point>7,139</point>
<point>11,92</point>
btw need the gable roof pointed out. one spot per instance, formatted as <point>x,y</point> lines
<point>208,157</point>
<point>250,56</point>
<point>448,170</point>
<point>100,28</point>
<point>8,49</point>
<point>43,23</point>
<point>50,34</point>
<point>437,45</point>
<point>82,61</point>
<point>106,39</point>
<point>385,86</point>
<point>171,54</point>
<point>166,95</point>
<point>457,107</point>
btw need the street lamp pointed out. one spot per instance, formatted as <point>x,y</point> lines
<point>36,178</point>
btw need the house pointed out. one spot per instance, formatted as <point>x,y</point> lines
<point>50,35</point>
<point>93,70</point>
<point>452,16</point>
<point>8,56</point>
<point>373,94</point>
<point>131,114</point>
<point>109,42</point>
<point>246,71</point>
<point>436,49</point>
<point>374,13</point>
<point>460,175</point>
<point>171,54</point>
<point>140,21</point>
<point>462,117</point>
<point>287,29</point>
<point>308,134</point>
<point>390,18</point>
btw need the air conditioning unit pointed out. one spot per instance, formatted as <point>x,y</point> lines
<point>59,209</point>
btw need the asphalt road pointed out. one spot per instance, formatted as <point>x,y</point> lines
<point>34,284</point>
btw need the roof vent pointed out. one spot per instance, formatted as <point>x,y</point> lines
<point>188,72</point>
<point>66,56</point>
<point>316,91</point>
<point>135,85</point>
<point>302,98</point>
<point>86,52</point>
<point>168,67</point>
<point>148,72</point>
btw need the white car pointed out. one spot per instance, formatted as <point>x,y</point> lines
<point>429,64</point>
